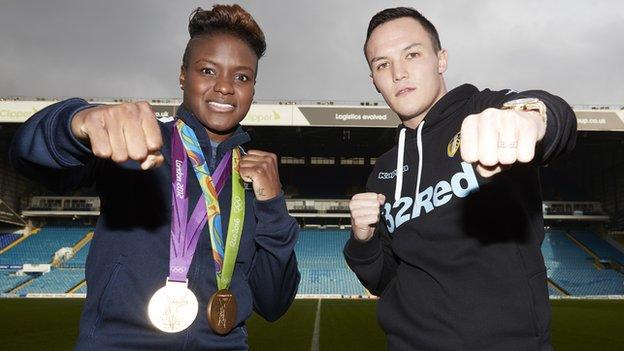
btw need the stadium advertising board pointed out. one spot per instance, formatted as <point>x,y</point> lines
<point>317,116</point>
<point>269,115</point>
<point>600,120</point>
<point>19,111</point>
<point>346,116</point>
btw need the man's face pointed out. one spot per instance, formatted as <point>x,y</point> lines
<point>219,82</point>
<point>405,68</point>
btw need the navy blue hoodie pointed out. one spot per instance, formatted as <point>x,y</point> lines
<point>461,268</point>
<point>129,255</point>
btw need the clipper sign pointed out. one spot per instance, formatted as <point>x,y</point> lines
<point>20,111</point>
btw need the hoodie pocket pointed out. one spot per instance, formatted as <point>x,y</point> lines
<point>106,292</point>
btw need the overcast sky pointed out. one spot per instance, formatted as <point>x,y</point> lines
<point>133,48</point>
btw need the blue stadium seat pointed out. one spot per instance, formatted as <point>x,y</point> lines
<point>9,281</point>
<point>40,247</point>
<point>57,281</point>
<point>7,239</point>
<point>322,265</point>
<point>572,268</point>
<point>80,258</point>
<point>600,247</point>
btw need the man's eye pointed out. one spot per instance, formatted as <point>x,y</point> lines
<point>383,65</point>
<point>412,55</point>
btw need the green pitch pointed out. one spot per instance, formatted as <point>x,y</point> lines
<point>52,324</point>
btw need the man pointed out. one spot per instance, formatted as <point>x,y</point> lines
<point>456,260</point>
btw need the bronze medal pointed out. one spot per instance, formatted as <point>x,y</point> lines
<point>222,312</point>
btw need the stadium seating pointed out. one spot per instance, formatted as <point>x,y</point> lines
<point>56,281</point>
<point>322,266</point>
<point>79,259</point>
<point>40,247</point>
<point>572,268</point>
<point>9,281</point>
<point>7,239</point>
<point>600,247</point>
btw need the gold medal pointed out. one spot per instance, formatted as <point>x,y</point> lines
<point>222,312</point>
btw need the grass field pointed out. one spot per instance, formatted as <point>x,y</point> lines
<point>52,324</point>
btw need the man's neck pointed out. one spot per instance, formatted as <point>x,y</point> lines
<point>413,122</point>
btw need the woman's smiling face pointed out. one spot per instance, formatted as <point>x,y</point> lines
<point>218,82</point>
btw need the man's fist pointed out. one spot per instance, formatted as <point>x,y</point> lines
<point>495,139</point>
<point>365,210</point>
<point>122,132</point>
<point>260,168</point>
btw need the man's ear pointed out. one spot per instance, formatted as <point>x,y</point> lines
<point>442,61</point>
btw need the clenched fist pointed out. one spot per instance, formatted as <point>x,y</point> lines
<point>495,139</point>
<point>365,210</point>
<point>260,168</point>
<point>122,132</point>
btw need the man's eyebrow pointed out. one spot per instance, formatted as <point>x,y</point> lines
<point>378,58</point>
<point>411,46</point>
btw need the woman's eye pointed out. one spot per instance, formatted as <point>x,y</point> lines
<point>208,71</point>
<point>242,77</point>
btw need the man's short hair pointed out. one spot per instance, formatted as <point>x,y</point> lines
<point>400,12</point>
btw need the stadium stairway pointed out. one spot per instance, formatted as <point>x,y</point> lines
<point>79,245</point>
<point>598,260</point>
<point>22,285</point>
<point>557,288</point>
<point>18,241</point>
<point>584,247</point>
<point>76,289</point>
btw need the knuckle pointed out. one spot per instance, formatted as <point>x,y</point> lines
<point>118,158</point>
<point>101,153</point>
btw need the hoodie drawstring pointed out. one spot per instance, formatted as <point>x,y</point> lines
<point>399,169</point>
<point>400,161</point>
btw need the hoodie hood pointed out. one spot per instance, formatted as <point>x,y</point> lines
<point>441,110</point>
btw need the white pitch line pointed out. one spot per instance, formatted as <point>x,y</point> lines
<point>317,328</point>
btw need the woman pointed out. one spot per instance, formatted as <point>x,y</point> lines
<point>181,252</point>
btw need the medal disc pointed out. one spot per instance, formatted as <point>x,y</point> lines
<point>173,307</point>
<point>222,312</point>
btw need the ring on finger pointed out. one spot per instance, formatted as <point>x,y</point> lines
<point>507,144</point>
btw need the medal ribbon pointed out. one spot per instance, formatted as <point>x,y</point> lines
<point>224,254</point>
<point>184,236</point>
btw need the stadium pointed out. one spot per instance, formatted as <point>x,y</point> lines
<point>326,150</point>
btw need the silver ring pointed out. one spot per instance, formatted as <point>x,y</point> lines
<point>507,145</point>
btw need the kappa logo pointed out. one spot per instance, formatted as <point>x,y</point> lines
<point>453,145</point>
<point>391,175</point>
<point>164,117</point>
